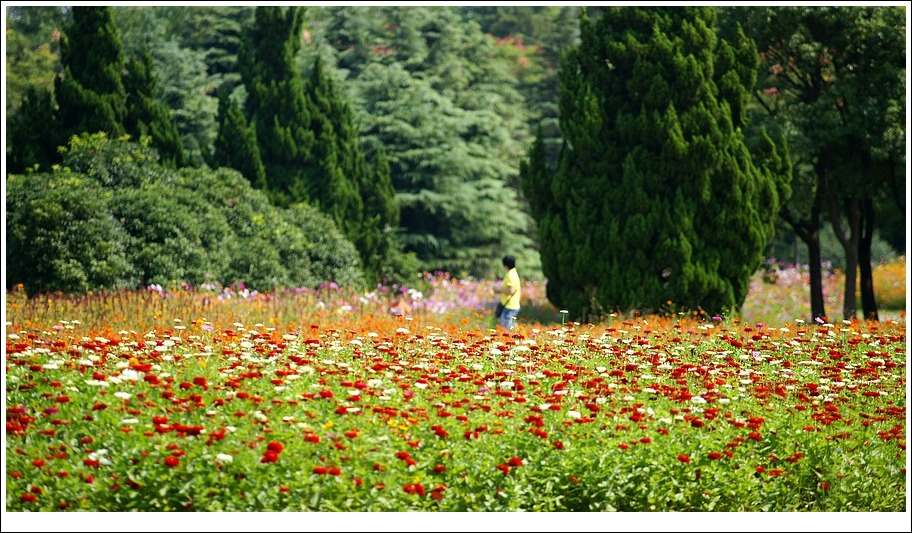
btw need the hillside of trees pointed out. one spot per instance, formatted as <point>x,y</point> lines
<point>631,156</point>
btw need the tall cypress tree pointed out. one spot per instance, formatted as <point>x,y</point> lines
<point>146,115</point>
<point>276,104</point>
<point>90,94</point>
<point>32,133</point>
<point>656,198</point>
<point>236,144</point>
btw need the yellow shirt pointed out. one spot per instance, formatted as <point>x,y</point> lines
<point>511,280</point>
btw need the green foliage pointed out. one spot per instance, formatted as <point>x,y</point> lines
<point>183,83</point>
<point>217,32</point>
<point>32,51</point>
<point>438,95</point>
<point>30,130</point>
<point>90,94</point>
<point>655,197</point>
<point>236,145</point>
<point>114,217</point>
<point>833,81</point>
<point>276,103</point>
<point>61,235</point>
<point>146,115</point>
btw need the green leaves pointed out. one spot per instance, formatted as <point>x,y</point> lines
<point>655,196</point>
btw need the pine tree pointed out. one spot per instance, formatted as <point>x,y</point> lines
<point>146,115</point>
<point>276,104</point>
<point>236,145</point>
<point>90,95</point>
<point>33,134</point>
<point>436,94</point>
<point>656,202</point>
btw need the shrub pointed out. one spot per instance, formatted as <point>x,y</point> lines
<point>61,235</point>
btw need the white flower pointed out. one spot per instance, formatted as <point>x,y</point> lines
<point>224,457</point>
<point>123,395</point>
<point>130,421</point>
<point>574,414</point>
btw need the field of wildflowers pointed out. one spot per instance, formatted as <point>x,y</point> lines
<point>224,399</point>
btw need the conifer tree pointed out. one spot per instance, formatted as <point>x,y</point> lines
<point>656,202</point>
<point>276,104</point>
<point>146,115</point>
<point>90,94</point>
<point>236,144</point>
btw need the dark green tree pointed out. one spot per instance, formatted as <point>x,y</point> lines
<point>90,95</point>
<point>236,144</point>
<point>656,201</point>
<point>62,236</point>
<point>146,114</point>
<point>217,32</point>
<point>440,97</point>
<point>112,216</point>
<point>834,81</point>
<point>276,103</point>
<point>358,195</point>
<point>31,130</point>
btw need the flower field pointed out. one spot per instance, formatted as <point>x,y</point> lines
<point>226,400</point>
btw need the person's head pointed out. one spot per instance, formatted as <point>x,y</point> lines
<point>509,261</point>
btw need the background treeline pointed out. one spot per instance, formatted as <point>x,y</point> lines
<point>402,130</point>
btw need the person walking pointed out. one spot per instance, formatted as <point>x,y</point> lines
<point>510,293</point>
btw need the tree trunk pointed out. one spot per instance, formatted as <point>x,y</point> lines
<point>849,239</point>
<point>808,230</point>
<point>868,302</point>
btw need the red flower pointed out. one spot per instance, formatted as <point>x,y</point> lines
<point>683,458</point>
<point>402,455</point>
<point>823,485</point>
<point>283,488</point>
<point>275,446</point>
<point>270,457</point>
<point>515,461</point>
<point>335,471</point>
<point>27,497</point>
<point>558,444</point>
<point>760,469</point>
<point>351,434</point>
<point>645,440</point>
<point>714,455</point>
<point>312,438</point>
<point>322,470</point>
<point>171,461</point>
<point>503,468</point>
<point>623,446</point>
<point>439,469</point>
<point>38,463</point>
<point>775,472</point>
<point>755,436</point>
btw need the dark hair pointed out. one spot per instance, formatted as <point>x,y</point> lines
<point>509,261</point>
